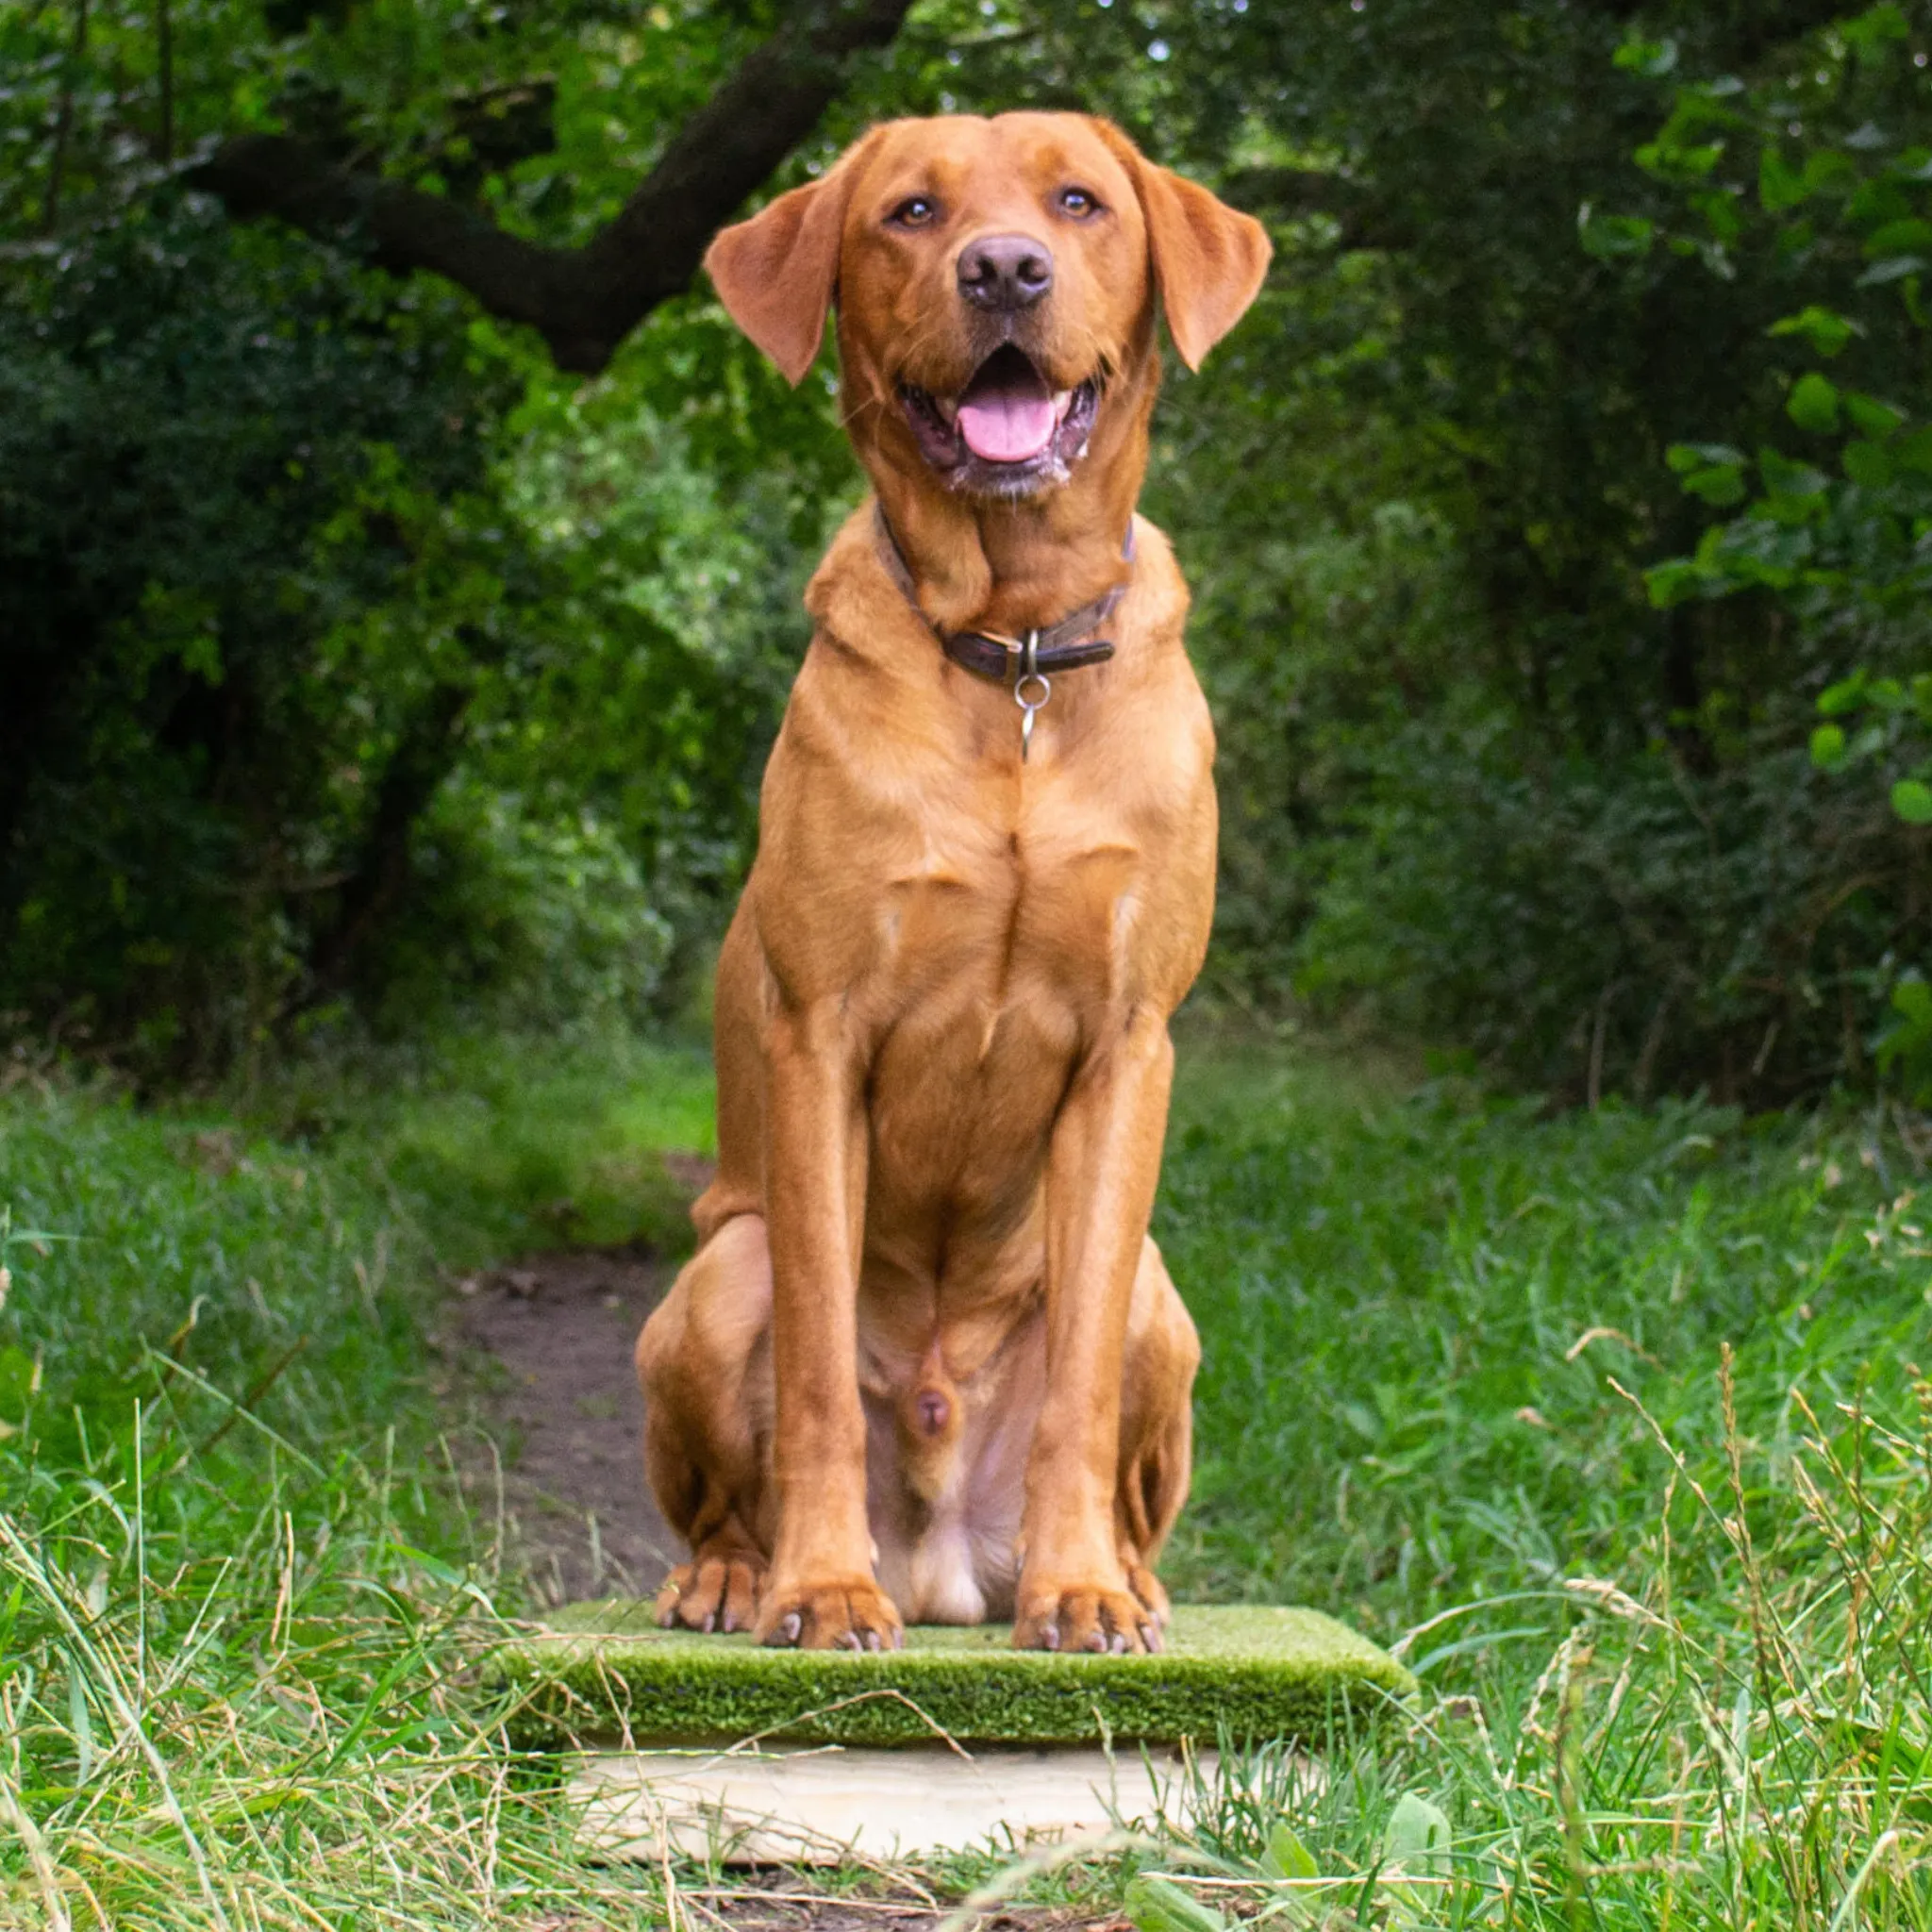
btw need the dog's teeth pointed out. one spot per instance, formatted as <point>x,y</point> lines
<point>947,409</point>
<point>1062,402</point>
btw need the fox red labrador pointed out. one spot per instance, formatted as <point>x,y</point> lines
<point>926,1363</point>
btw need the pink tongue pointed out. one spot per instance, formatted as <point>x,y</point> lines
<point>1006,426</point>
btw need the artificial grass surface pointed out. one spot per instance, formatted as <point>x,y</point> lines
<point>604,1670</point>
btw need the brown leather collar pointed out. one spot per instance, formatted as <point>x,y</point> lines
<point>1063,646</point>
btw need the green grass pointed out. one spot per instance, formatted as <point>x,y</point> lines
<point>1467,1386</point>
<point>235,1642</point>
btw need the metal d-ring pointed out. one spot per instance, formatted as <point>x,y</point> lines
<point>1030,673</point>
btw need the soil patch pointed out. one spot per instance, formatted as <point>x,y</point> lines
<point>560,1401</point>
<point>786,1904</point>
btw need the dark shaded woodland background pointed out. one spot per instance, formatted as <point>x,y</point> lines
<point>399,551</point>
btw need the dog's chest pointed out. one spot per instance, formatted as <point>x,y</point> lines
<point>1040,908</point>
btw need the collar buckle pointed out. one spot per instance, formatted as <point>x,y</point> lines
<point>1022,662</point>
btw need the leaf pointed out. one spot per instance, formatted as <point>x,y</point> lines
<point>1721,486</point>
<point>1877,419</point>
<point>1796,482</point>
<point>1869,31</point>
<point>1286,1857</point>
<point>1609,235</point>
<point>1651,59</point>
<point>1418,1837</point>
<point>1674,157</point>
<point>1867,465</point>
<point>79,1722</point>
<point>1673,583</point>
<point>1828,168</point>
<point>1911,799</point>
<point>1719,207</point>
<point>1847,694</point>
<point>1154,1904</point>
<point>1768,544</point>
<point>1685,457</point>
<point>18,1376</point>
<point>1897,269</point>
<point>1912,997</point>
<point>1813,404</point>
<point>1908,237</point>
<point>1828,747</point>
<point>1825,329</point>
<point>1779,185</point>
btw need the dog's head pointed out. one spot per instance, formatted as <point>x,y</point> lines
<point>995,281</point>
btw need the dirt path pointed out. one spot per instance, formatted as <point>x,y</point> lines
<point>560,1401</point>
<point>552,1336</point>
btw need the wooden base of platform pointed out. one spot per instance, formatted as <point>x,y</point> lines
<point>817,1807</point>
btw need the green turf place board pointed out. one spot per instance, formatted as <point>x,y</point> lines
<point>602,1671</point>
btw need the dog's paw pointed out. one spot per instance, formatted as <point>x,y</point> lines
<point>852,1615</point>
<point>1095,1618</point>
<point>713,1593</point>
<point>1148,1591</point>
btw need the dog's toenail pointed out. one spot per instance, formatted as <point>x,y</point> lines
<point>871,1640</point>
<point>1097,1641</point>
<point>790,1626</point>
<point>1118,1646</point>
<point>1050,1637</point>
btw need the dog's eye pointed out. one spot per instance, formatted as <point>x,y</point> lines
<point>1077,203</point>
<point>915,211</point>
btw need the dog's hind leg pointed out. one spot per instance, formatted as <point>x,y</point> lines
<point>1157,1425</point>
<point>704,1361</point>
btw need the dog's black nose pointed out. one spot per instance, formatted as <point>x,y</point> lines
<point>1005,272</point>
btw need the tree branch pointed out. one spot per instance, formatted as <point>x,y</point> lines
<point>582,301</point>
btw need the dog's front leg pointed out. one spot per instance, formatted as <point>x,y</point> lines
<point>1102,1168</point>
<point>820,1594</point>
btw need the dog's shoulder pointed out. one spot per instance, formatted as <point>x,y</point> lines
<point>853,598</point>
<point>1160,591</point>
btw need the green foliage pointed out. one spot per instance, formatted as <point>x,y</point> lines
<point>1502,791</point>
<point>1661,936</point>
<point>513,644</point>
<point>337,691</point>
<point>1152,1903</point>
<point>214,450</point>
<point>241,1589</point>
<point>360,675</point>
<point>1475,1448</point>
<point>1660,1595</point>
<point>1840,183</point>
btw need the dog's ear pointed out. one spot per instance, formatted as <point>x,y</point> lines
<point>777,273</point>
<point>1209,258</point>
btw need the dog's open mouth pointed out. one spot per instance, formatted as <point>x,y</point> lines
<point>1007,431</point>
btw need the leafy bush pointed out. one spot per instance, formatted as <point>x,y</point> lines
<point>1614,927</point>
<point>1840,208</point>
<point>194,423</point>
<point>1511,779</point>
<point>352,663</point>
